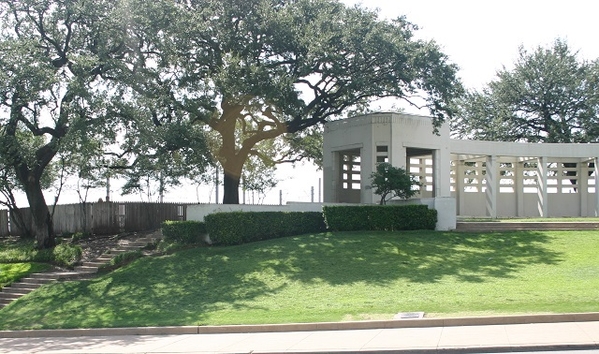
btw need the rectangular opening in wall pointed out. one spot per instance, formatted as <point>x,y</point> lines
<point>382,153</point>
<point>569,185</point>
<point>529,190</point>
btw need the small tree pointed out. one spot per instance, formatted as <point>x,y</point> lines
<point>390,182</point>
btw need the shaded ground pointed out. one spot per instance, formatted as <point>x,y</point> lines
<point>96,245</point>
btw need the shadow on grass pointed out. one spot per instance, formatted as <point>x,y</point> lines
<point>423,257</point>
<point>185,288</point>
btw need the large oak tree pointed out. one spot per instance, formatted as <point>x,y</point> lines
<point>261,70</point>
<point>65,70</point>
<point>51,54</point>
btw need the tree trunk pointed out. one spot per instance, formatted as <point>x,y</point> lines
<point>231,188</point>
<point>42,225</point>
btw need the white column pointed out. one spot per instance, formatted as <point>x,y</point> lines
<point>542,186</point>
<point>491,192</point>
<point>519,188</point>
<point>596,161</point>
<point>582,176</point>
<point>459,185</point>
<point>441,173</point>
<point>331,176</point>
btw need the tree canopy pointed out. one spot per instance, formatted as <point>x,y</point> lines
<point>262,70</point>
<point>63,69</point>
<point>550,95</point>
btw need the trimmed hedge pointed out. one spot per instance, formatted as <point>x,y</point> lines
<point>380,217</point>
<point>233,228</point>
<point>185,232</point>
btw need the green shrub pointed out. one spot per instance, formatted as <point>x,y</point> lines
<point>380,217</point>
<point>124,258</point>
<point>185,232</point>
<point>80,236</point>
<point>241,227</point>
<point>66,254</point>
<point>346,218</point>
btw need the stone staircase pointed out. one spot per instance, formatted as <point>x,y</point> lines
<point>86,270</point>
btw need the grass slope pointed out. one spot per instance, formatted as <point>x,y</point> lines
<point>330,277</point>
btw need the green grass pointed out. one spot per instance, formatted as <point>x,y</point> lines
<point>17,250</point>
<point>11,272</point>
<point>330,277</point>
<point>16,260</point>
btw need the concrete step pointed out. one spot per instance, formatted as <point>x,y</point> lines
<point>137,243</point>
<point>94,264</point>
<point>126,248</point>
<point>85,269</point>
<point>104,258</point>
<point>525,226</point>
<point>16,291</point>
<point>50,276</point>
<point>43,275</point>
<point>117,251</point>
<point>4,302</point>
<point>40,281</point>
<point>9,296</point>
<point>28,286</point>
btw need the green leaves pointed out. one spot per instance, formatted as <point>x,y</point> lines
<point>389,182</point>
<point>255,70</point>
<point>549,96</point>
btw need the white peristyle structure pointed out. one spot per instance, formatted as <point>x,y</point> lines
<point>460,177</point>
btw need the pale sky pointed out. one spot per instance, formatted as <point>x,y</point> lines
<point>483,36</point>
<point>479,36</point>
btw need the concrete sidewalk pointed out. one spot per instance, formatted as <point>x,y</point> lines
<point>447,339</point>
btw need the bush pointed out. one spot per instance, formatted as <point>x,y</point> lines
<point>77,236</point>
<point>66,254</point>
<point>241,227</point>
<point>380,217</point>
<point>122,259</point>
<point>184,232</point>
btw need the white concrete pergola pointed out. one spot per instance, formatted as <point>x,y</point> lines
<point>466,178</point>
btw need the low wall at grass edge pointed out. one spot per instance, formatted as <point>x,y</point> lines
<point>446,209</point>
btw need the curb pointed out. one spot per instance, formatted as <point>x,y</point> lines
<point>321,326</point>
<point>456,350</point>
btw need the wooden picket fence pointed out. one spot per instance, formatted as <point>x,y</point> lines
<point>103,218</point>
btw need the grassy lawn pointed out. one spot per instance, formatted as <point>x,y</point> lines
<point>11,272</point>
<point>330,277</point>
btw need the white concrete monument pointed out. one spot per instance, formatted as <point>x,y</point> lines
<point>460,177</point>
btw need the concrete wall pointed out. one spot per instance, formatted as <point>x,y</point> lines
<point>199,211</point>
<point>478,190</point>
<point>400,133</point>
